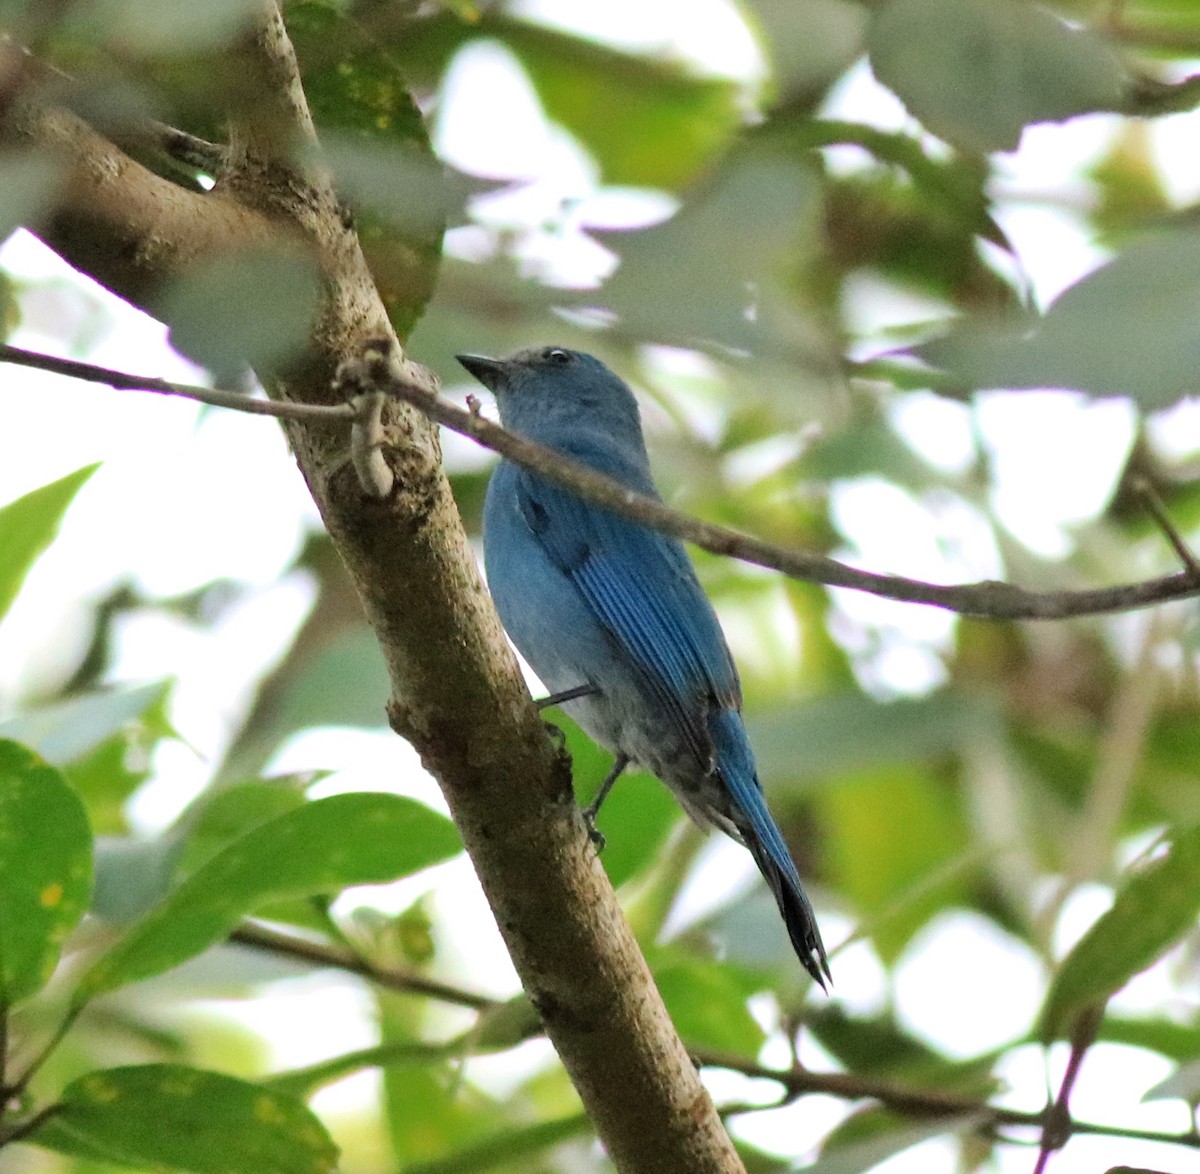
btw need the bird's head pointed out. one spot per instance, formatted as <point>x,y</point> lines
<point>548,388</point>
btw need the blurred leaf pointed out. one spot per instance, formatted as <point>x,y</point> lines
<point>107,777</point>
<point>154,28</point>
<point>976,73</point>
<point>1176,1041</point>
<point>878,1045</point>
<point>303,1082</point>
<point>846,732</point>
<point>430,1111</point>
<point>158,1115</point>
<point>872,449</point>
<point>807,42</point>
<point>410,934</point>
<point>1153,910</point>
<point>132,875</point>
<point>323,847</point>
<point>29,182</point>
<point>219,816</point>
<point>1131,189</point>
<point>636,817</point>
<point>668,124</point>
<point>45,870</point>
<point>1126,329</point>
<point>373,136</point>
<point>708,1005</point>
<point>717,270</point>
<point>343,683</point>
<point>891,832</point>
<point>867,1045</point>
<point>1183,1084</point>
<point>506,1025</point>
<point>868,1137</point>
<point>69,730</point>
<point>510,1149</point>
<point>751,935</point>
<point>246,310</point>
<point>29,524</point>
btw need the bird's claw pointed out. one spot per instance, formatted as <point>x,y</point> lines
<point>594,833</point>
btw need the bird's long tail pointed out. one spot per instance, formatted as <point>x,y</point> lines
<point>758,829</point>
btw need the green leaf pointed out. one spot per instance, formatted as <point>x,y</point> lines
<point>879,1046</point>
<point>107,777</point>
<point>323,847</point>
<point>808,43</point>
<point>68,731</point>
<point>870,1136</point>
<point>133,875</point>
<point>638,814</point>
<point>1176,1041</point>
<point>29,183</point>
<point>45,869</point>
<point>170,30</point>
<point>1155,908</point>
<point>901,876</point>
<point>1183,1084</point>
<point>431,1111</point>
<point>717,270</point>
<point>219,816</point>
<point>374,139</point>
<point>303,1082</point>
<point>708,1005</point>
<point>253,309</point>
<point>976,73</point>
<point>1126,329</point>
<point>668,123</point>
<point>503,1150</point>
<point>845,732</point>
<point>28,525</point>
<point>168,1115</point>
<point>344,684</point>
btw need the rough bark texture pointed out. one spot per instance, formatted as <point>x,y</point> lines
<point>456,692</point>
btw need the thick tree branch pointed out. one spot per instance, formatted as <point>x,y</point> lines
<point>457,694</point>
<point>272,941</point>
<point>115,219</point>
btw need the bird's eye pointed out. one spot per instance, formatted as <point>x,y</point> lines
<point>557,356</point>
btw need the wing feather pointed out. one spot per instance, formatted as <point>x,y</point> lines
<point>642,588</point>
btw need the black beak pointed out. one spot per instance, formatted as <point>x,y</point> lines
<point>492,373</point>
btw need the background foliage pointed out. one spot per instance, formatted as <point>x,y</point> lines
<point>824,304</point>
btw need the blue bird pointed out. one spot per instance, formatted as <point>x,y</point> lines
<point>613,620</point>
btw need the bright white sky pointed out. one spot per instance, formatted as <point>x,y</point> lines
<point>183,498</point>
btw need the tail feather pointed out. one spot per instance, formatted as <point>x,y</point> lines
<point>796,911</point>
<point>761,835</point>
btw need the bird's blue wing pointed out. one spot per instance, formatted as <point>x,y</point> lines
<point>641,587</point>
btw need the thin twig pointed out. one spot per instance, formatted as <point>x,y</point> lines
<point>796,1081</point>
<point>123,381</point>
<point>24,1129</point>
<point>923,1103</point>
<point>273,941</point>
<point>988,599</point>
<point>19,1085</point>
<point>1158,511</point>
